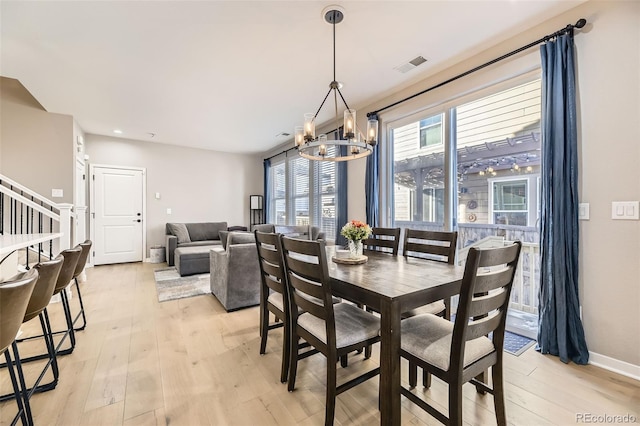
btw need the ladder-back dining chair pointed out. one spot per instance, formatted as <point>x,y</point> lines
<point>386,240</point>
<point>458,352</point>
<point>273,296</point>
<point>437,246</point>
<point>333,329</point>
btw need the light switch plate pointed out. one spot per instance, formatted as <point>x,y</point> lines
<point>168,210</point>
<point>583,211</point>
<point>625,210</point>
<point>57,193</point>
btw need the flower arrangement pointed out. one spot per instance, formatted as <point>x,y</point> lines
<point>355,230</point>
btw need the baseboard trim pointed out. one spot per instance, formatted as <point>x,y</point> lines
<point>615,365</point>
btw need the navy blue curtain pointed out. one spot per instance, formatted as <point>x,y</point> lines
<point>560,330</point>
<point>267,184</point>
<point>341,195</point>
<point>372,179</point>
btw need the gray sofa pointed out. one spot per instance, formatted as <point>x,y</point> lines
<point>235,272</point>
<point>202,235</point>
<point>306,232</point>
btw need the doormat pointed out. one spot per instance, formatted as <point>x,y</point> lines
<point>516,344</point>
<point>170,285</point>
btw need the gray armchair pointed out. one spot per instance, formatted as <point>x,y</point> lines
<point>235,272</point>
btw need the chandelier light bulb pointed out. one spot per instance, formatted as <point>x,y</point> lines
<point>299,136</point>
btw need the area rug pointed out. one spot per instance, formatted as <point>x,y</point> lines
<point>170,285</point>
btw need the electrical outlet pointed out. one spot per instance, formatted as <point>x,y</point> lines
<point>168,210</point>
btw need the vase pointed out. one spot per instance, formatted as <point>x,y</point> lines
<point>355,248</point>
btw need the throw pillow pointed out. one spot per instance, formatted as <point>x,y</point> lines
<point>180,231</point>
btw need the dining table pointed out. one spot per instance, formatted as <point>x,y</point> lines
<point>392,285</point>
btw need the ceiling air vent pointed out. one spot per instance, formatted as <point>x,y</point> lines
<point>419,60</point>
<point>283,134</point>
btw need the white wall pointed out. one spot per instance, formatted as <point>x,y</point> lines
<point>608,70</point>
<point>37,146</point>
<point>197,185</point>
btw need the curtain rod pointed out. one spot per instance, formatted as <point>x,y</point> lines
<point>280,153</point>
<point>293,147</point>
<point>581,23</point>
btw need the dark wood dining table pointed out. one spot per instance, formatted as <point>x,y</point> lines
<point>392,285</point>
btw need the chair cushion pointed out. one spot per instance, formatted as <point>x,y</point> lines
<point>180,231</point>
<point>201,243</point>
<point>353,325</point>
<point>432,308</point>
<point>428,337</point>
<point>275,299</point>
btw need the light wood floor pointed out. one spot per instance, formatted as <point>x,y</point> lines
<point>188,362</point>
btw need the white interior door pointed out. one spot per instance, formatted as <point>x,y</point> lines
<point>118,215</point>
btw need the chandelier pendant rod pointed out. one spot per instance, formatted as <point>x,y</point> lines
<point>333,24</point>
<point>322,104</point>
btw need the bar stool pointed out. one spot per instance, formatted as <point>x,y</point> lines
<point>71,257</point>
<point>82,261</point>
<point>14,298</point>
<point>37,307</point>
<point>69,263</point>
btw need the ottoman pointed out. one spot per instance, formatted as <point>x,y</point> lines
<point>192,260</point>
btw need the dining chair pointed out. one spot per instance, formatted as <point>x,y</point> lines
<point>272,294</point>
<point>37,307</point>
<point>14,298</point>
<point>333,329</point>
<point>437,246</point>
<point>458,352</point>
<point>82,262</point>
<point>386,240</point>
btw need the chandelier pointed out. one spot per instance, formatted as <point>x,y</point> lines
<point>320,148</point>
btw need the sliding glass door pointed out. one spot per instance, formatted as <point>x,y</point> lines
<point>474,167</point>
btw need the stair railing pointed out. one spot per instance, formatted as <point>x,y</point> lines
<point>33,221</point>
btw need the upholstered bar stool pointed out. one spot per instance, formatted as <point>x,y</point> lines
<point>71,258</point>
<point>14,298</point>
<point>65,276</point>
<point>82,262</point>
<point>37,307</point>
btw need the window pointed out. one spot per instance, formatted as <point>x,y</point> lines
<point>494,137</point>
<point>326,195</point>
<point>278,213</point>
<point>510,202</point>
<point>298,196</point>
<point>419,175</point>
<point>303,192</point>
<point>431,131</point>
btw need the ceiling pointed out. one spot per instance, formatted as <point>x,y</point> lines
<point>232,75</point>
